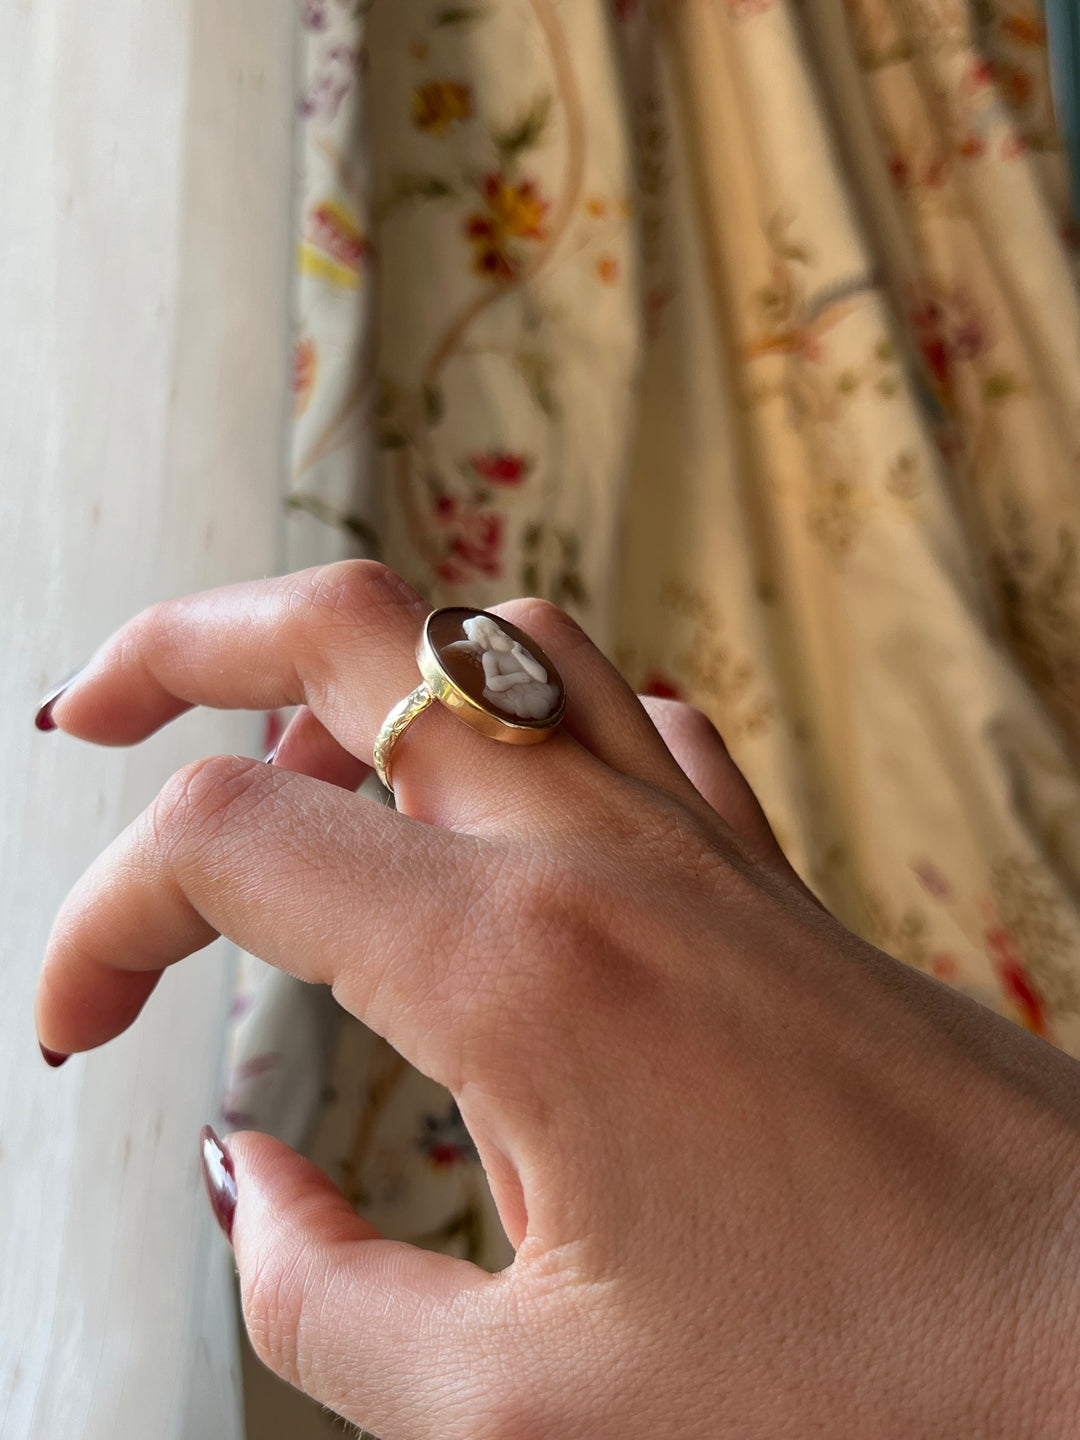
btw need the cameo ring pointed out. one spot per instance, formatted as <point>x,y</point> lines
<point>488,673</point>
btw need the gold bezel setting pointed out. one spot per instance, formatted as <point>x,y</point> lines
<point>484,717</point>
<point>487,720</point>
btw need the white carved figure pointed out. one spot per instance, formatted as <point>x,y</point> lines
<point>513,680</point>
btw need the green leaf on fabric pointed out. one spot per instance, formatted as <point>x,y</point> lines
<point>573,589</point>
<point>537,370</point>
<point>526,134</point>
<point>413,187</point>
<point>434,404</point>
<point>459,15</point>
<point>1000,385</point>
<point>354,524</point>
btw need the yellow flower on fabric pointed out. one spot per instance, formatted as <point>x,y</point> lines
<point>515,211</point>
<point>440,104</point>
<point>334,247</point>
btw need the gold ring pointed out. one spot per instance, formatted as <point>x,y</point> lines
<point>488,673</point>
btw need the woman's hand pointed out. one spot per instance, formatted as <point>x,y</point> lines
<point>763,1181</point>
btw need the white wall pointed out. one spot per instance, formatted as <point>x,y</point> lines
<point>145,169</point>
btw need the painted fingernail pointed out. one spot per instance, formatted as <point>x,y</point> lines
<point>43,719</point>
<point>219,1177</point>
<point>52,1057</point>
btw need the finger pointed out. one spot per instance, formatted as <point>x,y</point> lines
<point>340,639</point>
<point>394,1338</point>
<point>308,748</point>
<point>699,749</point>
<point>327,886</point>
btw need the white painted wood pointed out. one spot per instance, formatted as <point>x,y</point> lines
<point>145,167</point>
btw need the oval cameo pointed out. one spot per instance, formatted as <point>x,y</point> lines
<point>497,666</point>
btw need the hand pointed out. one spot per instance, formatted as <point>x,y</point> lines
<point>763,1182</point>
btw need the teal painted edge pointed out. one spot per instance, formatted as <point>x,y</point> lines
<point>1063,39</point>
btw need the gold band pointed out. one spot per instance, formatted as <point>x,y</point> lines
<point>485,671</point>
<point>395,725</point>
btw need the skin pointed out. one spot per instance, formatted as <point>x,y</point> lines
<point>763,1182</point>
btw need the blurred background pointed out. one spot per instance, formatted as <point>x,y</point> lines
<point>746,330</point>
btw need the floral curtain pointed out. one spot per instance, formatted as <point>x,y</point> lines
<point>748,331</point>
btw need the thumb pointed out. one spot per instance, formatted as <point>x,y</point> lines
<point>395,1339</point>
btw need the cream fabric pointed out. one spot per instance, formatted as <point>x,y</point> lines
<point>748,331</point>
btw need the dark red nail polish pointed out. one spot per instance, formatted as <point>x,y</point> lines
<point>43,719</point>
<point>219,1177</point>
<point>53,1057</point>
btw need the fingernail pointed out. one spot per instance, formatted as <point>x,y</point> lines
<point>53,1057</point>
<point>268,758</point>
<point>43,719</point>
<point>219,1177</point>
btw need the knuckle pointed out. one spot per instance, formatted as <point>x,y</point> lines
<point>341,593</point>
<point>684,722</point>
<point>202,796</point>
<point>544,619</point>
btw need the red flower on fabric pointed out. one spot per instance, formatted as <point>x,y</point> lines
<point>445,1141</point>
<point>1017,983</point>
<point>501,467</point>
<point>949,327</point>
<point>475,540</point>
<point>661,687</point>
<point>899,169</point>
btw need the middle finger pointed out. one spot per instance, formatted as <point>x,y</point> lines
<point>341,639</point>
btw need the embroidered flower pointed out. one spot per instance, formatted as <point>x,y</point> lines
<point>931,879</point>
<point>661,687</point>
<point>334,247</point>
<point>944,965</point>
<point>949,327</point>
<point>501,467</point>
<point>474,539</point>
<point>445,1141</point>
<point>305,365</point>
<point>1020,990</point>
<point>514,212</point>
<point>607,269</point>
<point>1025,29</point>
<point>439,104</point>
